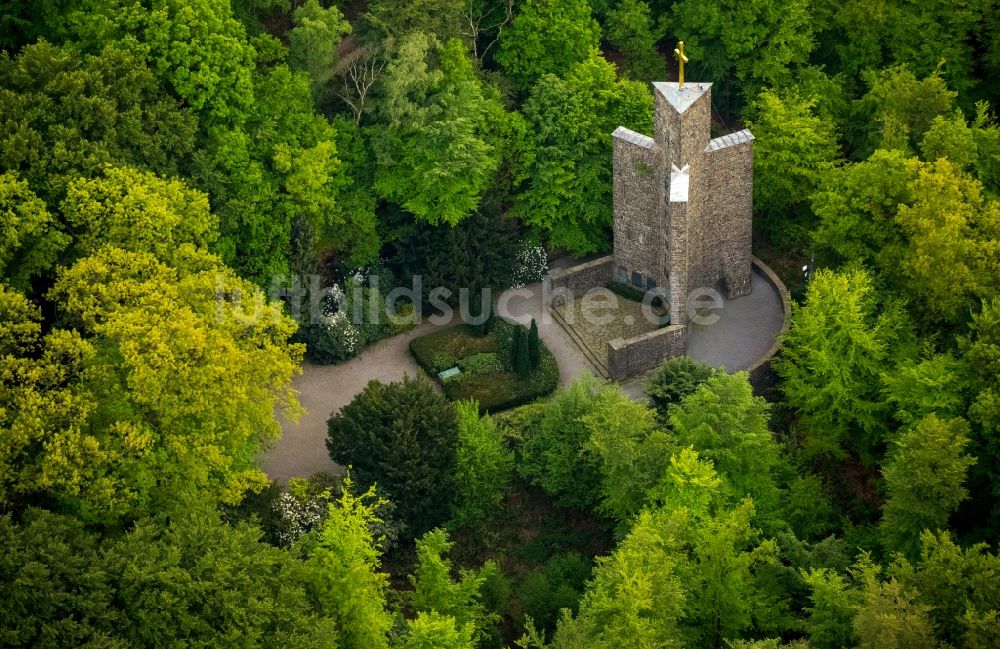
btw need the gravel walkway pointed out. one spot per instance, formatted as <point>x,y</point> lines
<point>745,330</point>
<point>324,389</point>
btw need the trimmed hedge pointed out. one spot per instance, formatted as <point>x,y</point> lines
<point>495,390</point>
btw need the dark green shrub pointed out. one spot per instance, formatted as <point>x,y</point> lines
<point>404,437</point>
<point>675,379</point>
<point>443,361</point>
<point>479,252</point>
<point>534,346</point>
<point>484,363</point>
<point>558,585</point>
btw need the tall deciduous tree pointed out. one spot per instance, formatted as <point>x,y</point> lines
<point>555,455</point>
<point>903,107</point>
<point>30,239</point>
<point>137,211</point>
<point>314,37</point>
<point>68,114</point>
<point>436,591</point>
<point>636,597</point>
<point>890,614</point>
<point>857,205</point>
<point>434,156</point>
<point>954,243</point>
<point>547,37</point>
<point>168,381</point>
<point>962,587</point>
<point>569,197</point>
<point>186,579</point>
<point>442,19</point>
<point>831,361</point>
<point>484,467</point>
<point>728,426</point>
<point>756,43</point>
<point>402,437</point>
<point>633,453</point>
<point>936,385</point>
<point>196,47</point>
<point>344,579</point>
<point>630,26</point>
<point>924,477</point>
<point>981,351</point>
<point>794,150</point>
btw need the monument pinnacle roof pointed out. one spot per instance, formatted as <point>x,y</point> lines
<point>681,98</point>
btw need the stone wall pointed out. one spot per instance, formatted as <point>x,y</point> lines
<point>579,279</point>
<point>638,205</point>
<point>720,216</point>
<point>627,358</point>
<point>678,262</point>
<point>682,135</point>
<point>762,375</point>
<point>730,216</point>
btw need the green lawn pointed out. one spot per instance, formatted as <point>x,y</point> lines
<point>486,375</point>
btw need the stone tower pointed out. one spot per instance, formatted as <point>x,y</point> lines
<point>683,202</point>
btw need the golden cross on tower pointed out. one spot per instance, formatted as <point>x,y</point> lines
<point>681,60</point>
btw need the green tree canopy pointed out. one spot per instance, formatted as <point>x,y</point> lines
<point>793,151</point>
<point>30,239</point>
<point>632,450</point>
<point>403,437</point>
<point>314,38</point>
<point>168,380</point>
<point>484,465</point>
<point>547,37</point>
<point>554,456</point>
<point>568,199</point>
<point>436,591</point>
<point>831,361</point>
<point>728,426</point>
<point>185,579</point>
<point>136,211</point>
<point>67,114</point>
<point>630,26</point>
<point>196,47</point>
<point>343,580</point>
<point>924,476</point>
<point>755,43</point>
<point>435,157</point>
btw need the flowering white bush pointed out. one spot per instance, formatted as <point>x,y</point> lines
<point>299,516</point>
<point>530,265</point>
<point>332,337</point>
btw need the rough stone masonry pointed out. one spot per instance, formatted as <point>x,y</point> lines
<point>683,202</point>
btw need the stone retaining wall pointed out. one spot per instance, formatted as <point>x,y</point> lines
<point>579,279</point>
<point>626,358</point>
<point>762,376</point>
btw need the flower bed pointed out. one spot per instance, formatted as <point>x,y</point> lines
<point>486,372</point>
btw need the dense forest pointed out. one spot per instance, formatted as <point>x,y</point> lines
<point>169,167</point>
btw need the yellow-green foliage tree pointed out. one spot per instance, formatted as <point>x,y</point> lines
<point>344,578</point>
<point>137,211</point>
<point>30,238</point>
<point>158,379</point>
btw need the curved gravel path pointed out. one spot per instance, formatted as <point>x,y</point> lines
<point>745,330</point>
<point>324,389</point>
